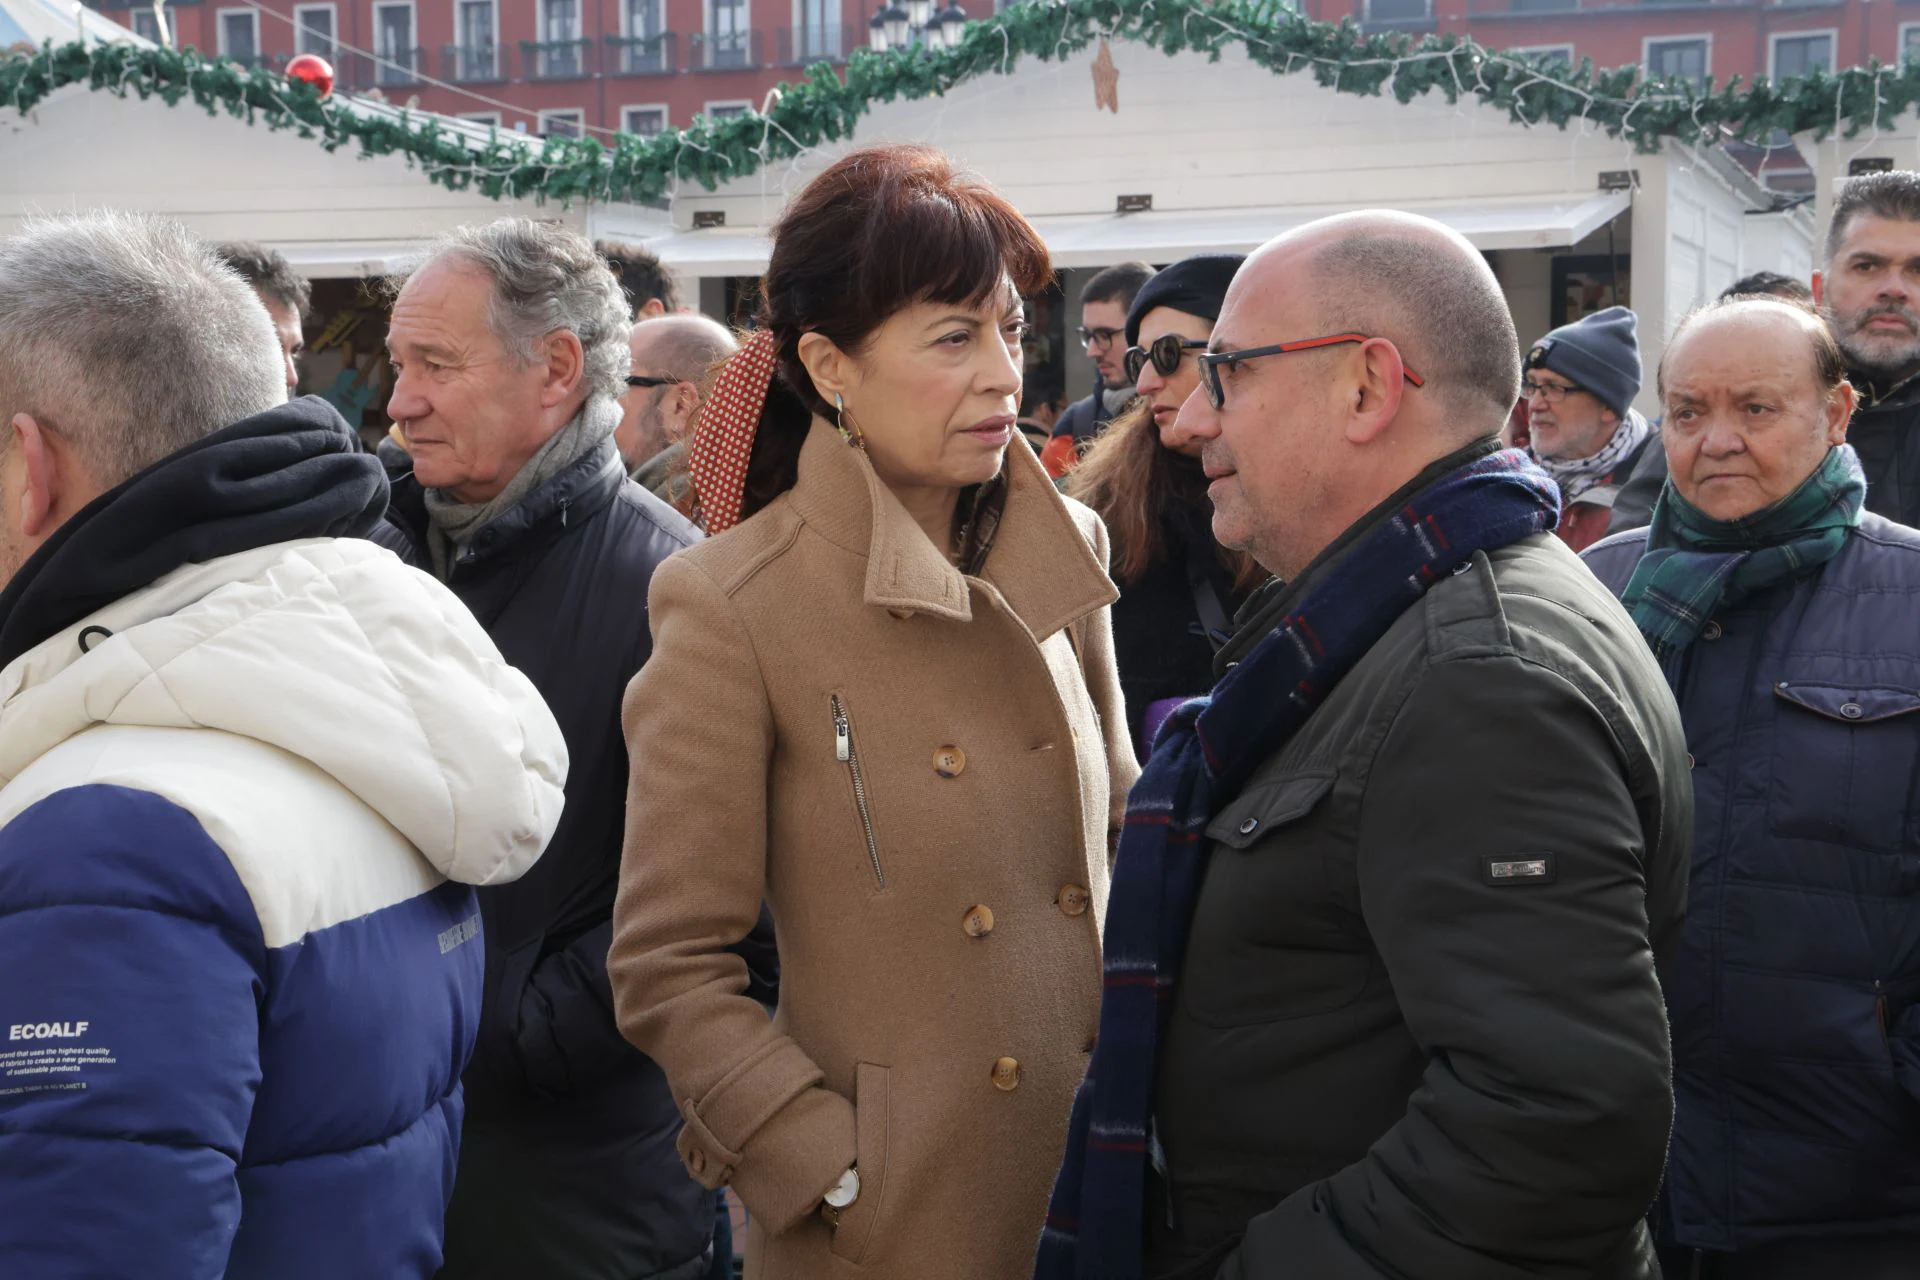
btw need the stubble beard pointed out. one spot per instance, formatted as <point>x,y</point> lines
<point>1883,358</point>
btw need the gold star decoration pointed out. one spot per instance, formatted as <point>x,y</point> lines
<point>1106,80</point>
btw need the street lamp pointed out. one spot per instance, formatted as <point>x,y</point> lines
<point>944,32</point>
<point>903,22</point>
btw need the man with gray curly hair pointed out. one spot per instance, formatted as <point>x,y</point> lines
<point>510,357</point>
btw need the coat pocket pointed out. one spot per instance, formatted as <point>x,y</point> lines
<point>872,1123</point>
<point>847,751</point>
<point>1277,933</point>
<point>1844,763</point>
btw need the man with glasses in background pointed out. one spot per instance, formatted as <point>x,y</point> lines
<point>672,356</point>
<point>1579,386</point>
<point>1380,993</point>
<point>1103,320</point>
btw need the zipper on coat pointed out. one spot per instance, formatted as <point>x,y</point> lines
<point>845,752</point>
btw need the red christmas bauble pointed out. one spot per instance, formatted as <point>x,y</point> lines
<point>311,68</point>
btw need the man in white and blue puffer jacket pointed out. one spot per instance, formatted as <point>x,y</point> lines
<point>250,768</point>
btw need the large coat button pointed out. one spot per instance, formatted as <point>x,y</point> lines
<point>978,922</point>
<point>1074,900</point>
<point>1006,1075</point>
<point>1712,631</point>
<point>949,762</point>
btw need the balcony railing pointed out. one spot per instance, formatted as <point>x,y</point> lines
<point>470,63</point>
<point>393,68</point>
<point>556,59</point>
<point>643,55</point>
<point>729,51</point>
<point>804,46</point>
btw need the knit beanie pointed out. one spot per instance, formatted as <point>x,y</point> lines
<point>1599,353</point>
<point>1196,285</point>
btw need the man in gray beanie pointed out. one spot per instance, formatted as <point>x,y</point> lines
<point>1579,386</point>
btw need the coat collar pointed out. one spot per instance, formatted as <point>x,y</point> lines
<point>1040,563</point>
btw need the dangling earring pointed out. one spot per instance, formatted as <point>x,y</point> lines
<point>848,429</point>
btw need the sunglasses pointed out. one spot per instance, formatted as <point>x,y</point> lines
<point>641,380</point>
<point>1211,362</point>
<point>1165,351</point>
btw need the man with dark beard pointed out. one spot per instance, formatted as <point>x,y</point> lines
<point>1870,290</point>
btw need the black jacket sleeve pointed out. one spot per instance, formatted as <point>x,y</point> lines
<point>1535,1141</point>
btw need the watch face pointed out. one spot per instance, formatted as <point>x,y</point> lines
<point>844,1191</point>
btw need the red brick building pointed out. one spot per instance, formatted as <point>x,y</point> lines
<point>559,65</point>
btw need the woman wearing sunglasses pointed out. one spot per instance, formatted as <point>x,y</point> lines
<point>1178,587</point>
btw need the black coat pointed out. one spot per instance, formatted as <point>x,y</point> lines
<point>1387,1059</point>
<point>567,1164</point>
<point>1160,640</point>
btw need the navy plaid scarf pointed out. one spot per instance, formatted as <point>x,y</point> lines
<point>1203,755</point>
<point>1695,565</point>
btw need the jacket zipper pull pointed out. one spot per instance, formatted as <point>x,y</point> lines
<point>842,734</point>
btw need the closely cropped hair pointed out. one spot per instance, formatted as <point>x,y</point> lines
<point>269,273</point>
<point>1444,311</point>
<point>878,231</point>
<point>1829,361</point>
<point>1131,481</point>
<point>1894,194</point>
<point>641,276</point>
<point>1118,283</point>
<point>545,279</point>
<point>131,338</point>
<point>1770,284</point>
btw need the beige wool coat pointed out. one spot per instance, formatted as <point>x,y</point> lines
<point>920,772</point>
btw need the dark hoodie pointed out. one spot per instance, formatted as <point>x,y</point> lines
<point>292,472</point>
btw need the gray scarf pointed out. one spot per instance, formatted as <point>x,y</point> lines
<point>453,524</point>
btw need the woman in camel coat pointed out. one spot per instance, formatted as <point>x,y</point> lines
<point>915,753</point>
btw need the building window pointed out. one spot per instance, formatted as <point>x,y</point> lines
<point>240,35</point>
<point>645,121</point>
<point>568,123</point>
<point>1800,54</point>
<point>648,47</point>
<point>1910,42</point>
<point>482,117</point>
<point>1545,55</point>
<point>560,39</point>
<point>717,111</point>
<point>728,36</point>
<point>147,27</point>
<point>1682,58</point>
<point>477,58</point>
<point>817,34</point>
<point>1399,10</point>
<point>313,30</point>
<point>393,42</point>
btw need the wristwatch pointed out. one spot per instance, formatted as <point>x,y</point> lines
<point>842,1194</point>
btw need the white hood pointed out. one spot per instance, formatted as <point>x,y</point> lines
<point>333,651</point>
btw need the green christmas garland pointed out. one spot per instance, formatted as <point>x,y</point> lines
<point>825,105</point>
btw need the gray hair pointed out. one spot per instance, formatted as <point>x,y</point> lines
<point>131,338</point>
<point>545,279</point>
<point>1437,299</point>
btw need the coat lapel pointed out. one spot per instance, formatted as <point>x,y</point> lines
<point>1040,563</point>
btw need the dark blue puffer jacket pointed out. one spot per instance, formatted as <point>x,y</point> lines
<point>1795,997</point>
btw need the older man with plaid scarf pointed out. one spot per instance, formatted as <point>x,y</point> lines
<point>1787,620</point>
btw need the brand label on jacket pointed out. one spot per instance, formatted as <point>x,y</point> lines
<point>466,931</point>
<point>1520,869</point>
<point>40,1056</point>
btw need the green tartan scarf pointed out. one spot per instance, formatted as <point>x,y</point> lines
<point>1695,565</point>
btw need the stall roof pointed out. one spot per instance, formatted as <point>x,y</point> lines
<point>1094,240</point>
<point>34,22</point>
